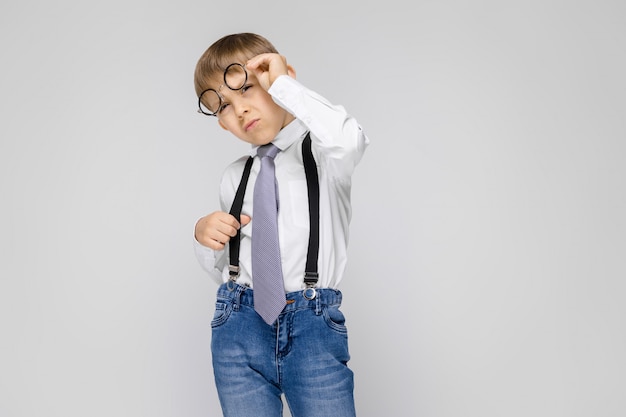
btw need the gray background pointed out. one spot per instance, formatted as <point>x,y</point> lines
<point>487,263</point>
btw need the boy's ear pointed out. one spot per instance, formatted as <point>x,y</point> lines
<point>291,71</point>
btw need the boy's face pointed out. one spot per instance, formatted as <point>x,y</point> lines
<point>251,114</point>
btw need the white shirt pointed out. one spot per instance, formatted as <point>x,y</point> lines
<point>338,143</point>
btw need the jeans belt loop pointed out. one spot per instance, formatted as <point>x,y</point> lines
<point>318,305</point>
<point>238,291</point>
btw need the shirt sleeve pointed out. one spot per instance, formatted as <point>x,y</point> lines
<point>336,134</point>
<point>210,260</point>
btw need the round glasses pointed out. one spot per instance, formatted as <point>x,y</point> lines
<point>210,101</point>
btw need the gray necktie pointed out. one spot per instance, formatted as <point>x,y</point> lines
<point>267,275</point>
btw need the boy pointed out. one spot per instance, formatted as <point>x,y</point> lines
<point>298,345</point>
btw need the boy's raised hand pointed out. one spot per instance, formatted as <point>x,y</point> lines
<point>216,229</point>
<point>268,67</point>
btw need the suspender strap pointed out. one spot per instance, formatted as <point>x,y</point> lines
<point>235,211</point>
<point>310,171</point>
<point>313,187</point>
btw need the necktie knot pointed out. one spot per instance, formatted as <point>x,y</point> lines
<point>268,150</point>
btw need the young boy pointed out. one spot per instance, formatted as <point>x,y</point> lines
<point>299,345</point>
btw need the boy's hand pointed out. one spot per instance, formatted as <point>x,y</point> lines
<point>268,67</point>
<point>216,229</point>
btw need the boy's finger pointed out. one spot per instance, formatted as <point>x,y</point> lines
<point>256,59</point>
<point>244,219</point>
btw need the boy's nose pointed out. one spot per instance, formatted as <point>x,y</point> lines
<point>241,108</point>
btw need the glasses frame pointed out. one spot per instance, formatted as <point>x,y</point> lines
<point>245,81</point>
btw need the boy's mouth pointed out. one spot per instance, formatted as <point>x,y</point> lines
<point>251,124</point>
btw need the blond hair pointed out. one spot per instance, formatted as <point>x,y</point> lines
<point>238,47</point>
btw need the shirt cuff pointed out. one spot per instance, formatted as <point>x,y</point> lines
<point>205,255</point>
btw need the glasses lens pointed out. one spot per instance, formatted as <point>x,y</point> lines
<point>209,102</point>
<point>235,76</point>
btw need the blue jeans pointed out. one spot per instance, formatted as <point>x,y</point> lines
<point>304,355</point>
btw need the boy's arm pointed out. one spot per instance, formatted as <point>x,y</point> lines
<point>211,261</point>
<point>336,134</point>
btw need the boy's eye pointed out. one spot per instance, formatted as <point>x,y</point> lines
<point>225,105</point>
<point>222,107</point>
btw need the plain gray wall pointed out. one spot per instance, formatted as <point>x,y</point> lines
<point>487,263</point>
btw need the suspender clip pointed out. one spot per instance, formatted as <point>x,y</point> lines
<point>233,271</point>
<point>310,279</point>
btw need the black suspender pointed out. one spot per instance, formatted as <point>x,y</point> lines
<point>235,210</point>
<point>313,187</point>
<point>310,169</point>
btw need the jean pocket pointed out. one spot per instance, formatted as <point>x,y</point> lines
<point>335,319</point>
<point>221,314</point>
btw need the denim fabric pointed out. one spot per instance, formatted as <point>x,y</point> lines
<point>304,355</point>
